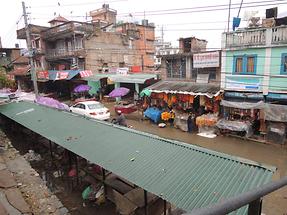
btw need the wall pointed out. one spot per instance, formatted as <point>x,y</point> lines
<point>278,82</point>
<point>145,45</point>
<point>256,79</point>
<point>109,48</point>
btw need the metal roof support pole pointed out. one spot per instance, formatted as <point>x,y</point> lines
<point>77,168</point>
<point>164,207</point>
<point>51,149</point>
<point>145,202</point>
<point>255,207</point>
<point>104,181</point>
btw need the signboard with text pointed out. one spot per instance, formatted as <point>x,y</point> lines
<point>43,75</point>
<point>206,60</point>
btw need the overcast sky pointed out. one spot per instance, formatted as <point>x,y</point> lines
<point>180,18</point>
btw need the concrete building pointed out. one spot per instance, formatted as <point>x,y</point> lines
<point>162,48</point>
<point>143,37</point>
<point>254,61</point>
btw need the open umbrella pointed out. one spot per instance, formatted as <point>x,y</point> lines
<point>145,92</point>
<point>118,92</point>
<point>82,88</point>
<point>51,103</point>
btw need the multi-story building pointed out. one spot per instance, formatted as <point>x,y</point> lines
<point>254,61</point>
<point>66,48</point>
<point>143,37</point>
<point>162,48</point>
<point>194,72</point>
<point>254,76</point>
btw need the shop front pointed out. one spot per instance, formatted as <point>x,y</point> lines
<point>186,105</point>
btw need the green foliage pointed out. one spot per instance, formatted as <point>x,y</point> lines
<point>5,82</point>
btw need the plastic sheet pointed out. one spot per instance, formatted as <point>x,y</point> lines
<point>277,113</point>
<point>180,121</point>
<point>153,113</point>
<point>276,133</point>
<point>235,126</point>
<point>243,105</point>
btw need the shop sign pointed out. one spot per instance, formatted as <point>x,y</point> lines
<point>43,75</point>
<point>123,71</point>
<point>241,86</point>
<point>85,73</point>
<point>206,60</point>
<point>62,75</point>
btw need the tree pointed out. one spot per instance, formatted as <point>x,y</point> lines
<point>5,81</point>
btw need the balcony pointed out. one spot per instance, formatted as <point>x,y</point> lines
<point>53,54</point>
<point>67,29</point>
<point>260,37</point>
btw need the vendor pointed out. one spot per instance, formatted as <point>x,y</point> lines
<point>121,120</point>
<point>172,116</point>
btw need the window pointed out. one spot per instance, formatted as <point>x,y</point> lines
<point>250,64</point>
<point>239,65</point>
<point>284,64</point>
<point>176,68</point>
<point>245,64</point>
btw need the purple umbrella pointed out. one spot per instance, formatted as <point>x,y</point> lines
<point>52,103</point>
<point>118,92</point>
<point>82,88</point>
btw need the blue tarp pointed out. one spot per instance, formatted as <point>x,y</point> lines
<point>153,113</point>
<point>53,74</point>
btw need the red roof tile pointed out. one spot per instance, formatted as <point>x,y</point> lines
<point>59,19</point>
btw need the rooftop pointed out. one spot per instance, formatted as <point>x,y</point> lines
<point>188,176</point>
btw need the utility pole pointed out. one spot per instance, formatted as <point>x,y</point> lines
<point>30,50</point>
<point>229,8</point>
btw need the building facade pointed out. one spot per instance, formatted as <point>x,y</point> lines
<point>254,61</point>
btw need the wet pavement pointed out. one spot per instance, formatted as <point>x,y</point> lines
<point>267,154</point>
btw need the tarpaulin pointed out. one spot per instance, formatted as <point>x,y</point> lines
<point>243,105</point>
<point>277,113</point>
<point>235,126</point>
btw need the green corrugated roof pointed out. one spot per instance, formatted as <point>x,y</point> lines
<point>183,174</point>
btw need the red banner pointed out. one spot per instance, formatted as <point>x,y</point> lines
<point>43,75</point>
<point>62,75</point>
<point>85,73</point>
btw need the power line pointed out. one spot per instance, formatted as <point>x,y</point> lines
<point>207,10</point>
<point>78,4</point>
<point>204,7</point>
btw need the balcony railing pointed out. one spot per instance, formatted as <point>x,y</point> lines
<point>279,35</point>
<point>259,37</point>
<point>68,27</point>
<point>62,53</point>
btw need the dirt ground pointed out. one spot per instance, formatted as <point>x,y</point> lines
<point>274,155</point>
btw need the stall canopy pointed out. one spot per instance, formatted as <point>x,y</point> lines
<point>191,88</point>
<point>186,175</point>
<point>120,78</point>
<point>62,74</point>
<point>243,105</point>
<point>276,113</point>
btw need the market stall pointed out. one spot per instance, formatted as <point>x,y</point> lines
<point>246,117</point>
<point>185,99</point>
<point>125,107</point>
<point>206,123</point>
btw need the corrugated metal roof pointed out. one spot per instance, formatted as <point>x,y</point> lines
<point>186,175</point>
<point>185,87</point>
<point>129,78</point>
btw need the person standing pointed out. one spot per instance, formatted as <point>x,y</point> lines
<point>190,122</point>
